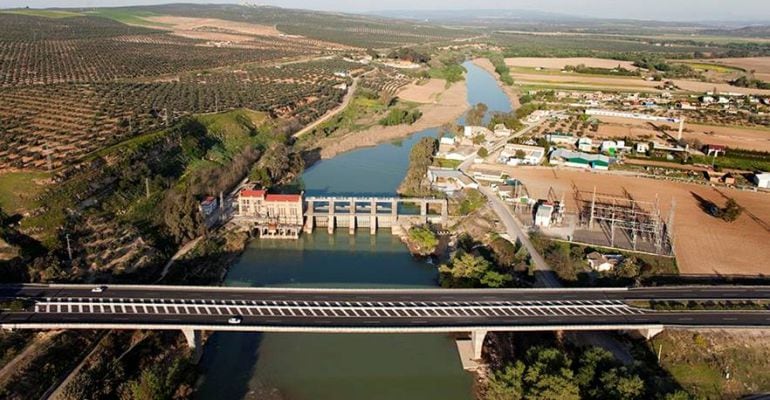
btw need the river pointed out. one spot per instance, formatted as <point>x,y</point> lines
<point>337,366</point>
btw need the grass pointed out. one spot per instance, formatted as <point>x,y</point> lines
<point>444,163</point>
<point>235,127</point>
<point>18,190</point>
<point>700,361</point>
<point>128,17</point>
<point>43,13</point>
<point>722,69</point>
<point>450,73</point>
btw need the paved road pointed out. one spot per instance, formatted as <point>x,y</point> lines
<point>158,306</point>
<point>545,276</point>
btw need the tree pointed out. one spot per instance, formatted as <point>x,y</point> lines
<point>483,152</point>
<point>476,114</point>
<point>494,279</point>
<point>468,266</point>
<point>629,268</point>
<point>732,211</point>
<point>277,162</point>
<point>149,386</point>
<point>520,154</point>
<point>507,383</point>
<point>424,239</point>
<point>475,268</point>
<point>548,376</point>
<point>504,252</point>
<point>678,395</point>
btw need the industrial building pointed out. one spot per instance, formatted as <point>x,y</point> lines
<point>576,159</point>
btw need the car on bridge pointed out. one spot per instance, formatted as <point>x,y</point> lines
<point>99,289</point>
<point>235,320</point>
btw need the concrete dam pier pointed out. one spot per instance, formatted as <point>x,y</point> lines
<point>372,212</point>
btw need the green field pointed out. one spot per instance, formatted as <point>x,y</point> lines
<point>43,13</point>
<point>702,66</point>
<point>18,190</point>
<point>127,16</point>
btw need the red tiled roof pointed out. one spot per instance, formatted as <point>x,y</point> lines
<point>253,193</point>
<point>283,197</point>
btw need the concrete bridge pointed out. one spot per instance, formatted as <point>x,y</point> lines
<point>372,212</point>
<point>196,309</point>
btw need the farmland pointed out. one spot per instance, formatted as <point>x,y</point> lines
<point>736,137</point>
<point>703,244</point>
<point>67,121</point>
<point>760,65</point>
<point>345,29</point>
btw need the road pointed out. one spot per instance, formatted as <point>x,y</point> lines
<point>348,97</point>
<point>545,276</point>
<point>172,307</point>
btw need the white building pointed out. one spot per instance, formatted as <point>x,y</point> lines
<point>518,154</point>
<point>450,180</point>
<point>762,180</point>
<point>585,144</point>
<point>459,153</point>
<point>561,138</point>
<point>612,146</point>
<point>544,215</point>
<point>600,262</point>
<point>473,131</point>
<point>447,140</point>
<point>502,131</point>
<point>537,116</point>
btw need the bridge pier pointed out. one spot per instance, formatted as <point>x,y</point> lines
<point>648,333</point>
<point>193,338</point>
<point>477,340</point>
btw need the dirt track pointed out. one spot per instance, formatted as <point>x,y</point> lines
<point>703,244</point>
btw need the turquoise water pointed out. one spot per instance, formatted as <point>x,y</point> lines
<point>343,366</point>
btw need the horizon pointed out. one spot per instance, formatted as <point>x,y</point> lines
<point>745,11</point>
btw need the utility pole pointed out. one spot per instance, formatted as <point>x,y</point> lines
<point>147,187</point>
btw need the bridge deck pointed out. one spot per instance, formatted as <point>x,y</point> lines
<point>160,307</point>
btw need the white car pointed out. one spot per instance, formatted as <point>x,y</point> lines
<point>99,289</point>
<point>234,320</point>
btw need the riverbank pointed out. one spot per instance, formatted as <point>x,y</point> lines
<point>512,93</point>
<point>437,107</point>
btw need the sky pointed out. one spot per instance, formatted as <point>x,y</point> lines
<point>663,10</point>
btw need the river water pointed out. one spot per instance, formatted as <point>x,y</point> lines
<point>337,366</point>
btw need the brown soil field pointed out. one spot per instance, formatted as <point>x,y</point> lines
<point>229,30</point>
<point>625,83</point>
<point>703,244</point>
<point>511,92</point>
<point>452,103</point>
<point>697,86</point>
<point>761,65</point>
<point>425,93</point>
<point>734,137</point>
<point>560,63</point>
